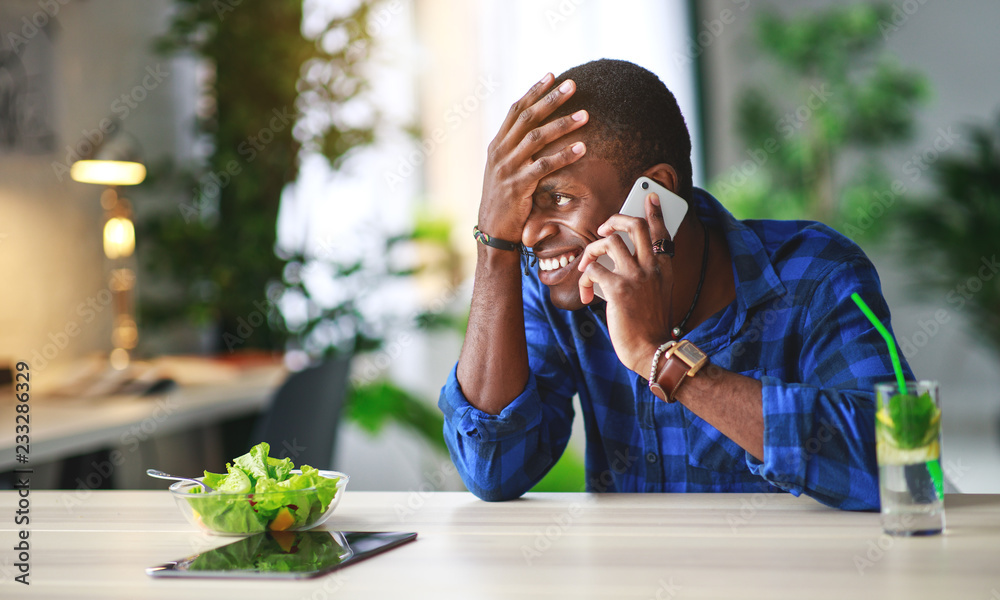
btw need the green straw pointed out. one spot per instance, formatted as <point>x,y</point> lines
<point>933,466</point>
<point>888,340</point>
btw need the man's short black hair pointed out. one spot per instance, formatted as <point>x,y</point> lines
<point>635,122</point>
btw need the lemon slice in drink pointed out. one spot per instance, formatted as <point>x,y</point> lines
<point>889,452</point>
<point>892,455</point>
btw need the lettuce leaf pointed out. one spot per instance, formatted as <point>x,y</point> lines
<point>270,486</point>
<point>214,480</point>
<point>254,463</point>
<point>228,513</point>
<point>236,482</point>
<point>279,469</point>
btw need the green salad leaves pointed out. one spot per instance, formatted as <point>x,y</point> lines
<point>259,493</point>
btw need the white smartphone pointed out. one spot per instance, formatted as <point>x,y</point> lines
<point>673,207</point>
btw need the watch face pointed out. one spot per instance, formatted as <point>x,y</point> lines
<point>689,353</point>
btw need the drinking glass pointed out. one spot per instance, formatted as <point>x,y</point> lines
<point>908,438</point>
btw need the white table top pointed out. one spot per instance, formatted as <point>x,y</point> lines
<point>542,546</point>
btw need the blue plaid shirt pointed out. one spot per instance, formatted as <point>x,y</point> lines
<point>792,326</point>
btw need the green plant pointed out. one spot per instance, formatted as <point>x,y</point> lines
<point>840,94</point>
<point>953,232</point>
<point>374,405</point>
<point>217,251</point>
<point>569,474</point>
<point>379,268</point>
<point>346,326</point>
<point>216,254</point>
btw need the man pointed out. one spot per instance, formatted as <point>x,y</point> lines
<point>770,387</point>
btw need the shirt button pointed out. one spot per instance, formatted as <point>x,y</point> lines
<point>650,457</point>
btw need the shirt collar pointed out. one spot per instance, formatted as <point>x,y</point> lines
<point>755,277</point>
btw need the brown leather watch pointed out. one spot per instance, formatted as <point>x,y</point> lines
<point>682,360</point>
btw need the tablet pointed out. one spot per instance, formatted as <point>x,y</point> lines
<point>284,555</point>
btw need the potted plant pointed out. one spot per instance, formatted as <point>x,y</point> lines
<point>213,255</point>
<point>833,94</point>
<point>953,231</point>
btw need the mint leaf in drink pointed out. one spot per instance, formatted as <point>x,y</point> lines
<point>914,418</point>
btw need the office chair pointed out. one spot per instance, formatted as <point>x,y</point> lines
<point>301,421</point>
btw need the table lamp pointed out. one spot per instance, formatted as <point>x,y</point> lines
<point>115,163</point>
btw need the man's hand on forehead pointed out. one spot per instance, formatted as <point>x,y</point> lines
<point>514,164</point>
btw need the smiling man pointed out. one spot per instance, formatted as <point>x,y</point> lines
<point>729,359</point>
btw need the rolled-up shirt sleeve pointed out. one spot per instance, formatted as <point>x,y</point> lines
<point>819,435</point>
<point>500,457</point>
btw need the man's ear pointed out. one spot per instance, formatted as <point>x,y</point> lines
<point>664,175</point>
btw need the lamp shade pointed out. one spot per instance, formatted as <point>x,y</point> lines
<point>108,172</point>
<point>114,162</point>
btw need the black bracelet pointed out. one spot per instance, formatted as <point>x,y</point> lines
<point>493,242</point>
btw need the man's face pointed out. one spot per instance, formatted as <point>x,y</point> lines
<point>568,206</point>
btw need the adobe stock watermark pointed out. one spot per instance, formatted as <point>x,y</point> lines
<point>914,168</point>
<point>544,538</point>
<point>457,114</point>
<point>378,21</point>
<point>785,126</point>
<point>224,7</point>
<point>418,496</point>
<point>247,325</point>
<point>381,359</point>
<point>876,548</point>
<point>87,310</point>
<point>210,185</point>
<point>754,331</point>
<point>561,13</point>
<point>901,13</point>
<point>289,449</point>
<point>586,329</point>
<point>7,569</point>
<point>954,471</point>
<point>709,31</point>
<point>603,482</point>
<point>104,470</point>
<point>122,107</point>
<point>666,590</point>
<point>959,296</point>
<point>332,583</point>
<point>35,23</point>
<point>620,464</point>
<point>749,508</point>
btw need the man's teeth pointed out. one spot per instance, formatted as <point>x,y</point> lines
<point>551,264</point>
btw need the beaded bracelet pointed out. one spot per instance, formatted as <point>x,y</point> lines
<point>656,361</point>
<point>484,238</point>
<point>492,242</point>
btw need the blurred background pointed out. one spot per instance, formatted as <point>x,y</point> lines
<point>226,221</point>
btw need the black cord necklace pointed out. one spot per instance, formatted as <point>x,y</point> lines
<point>678,331</point>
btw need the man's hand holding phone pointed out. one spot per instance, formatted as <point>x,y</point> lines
<point>511,173</point>
<point>638,288</point>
